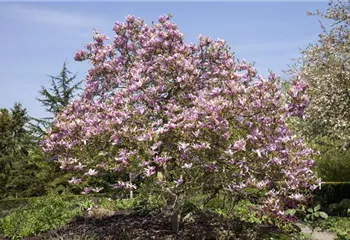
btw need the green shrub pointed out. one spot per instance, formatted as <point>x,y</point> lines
<point>333,165</point>
<point>341,209</point>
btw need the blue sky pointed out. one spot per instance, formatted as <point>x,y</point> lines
<point>36,38</point>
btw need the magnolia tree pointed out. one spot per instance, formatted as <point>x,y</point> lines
<point>184,117</point>
<point>326,68</point>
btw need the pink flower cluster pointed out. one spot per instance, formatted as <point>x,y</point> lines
<point>158,101</point>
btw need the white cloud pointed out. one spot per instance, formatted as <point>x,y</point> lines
<point>53,16</point>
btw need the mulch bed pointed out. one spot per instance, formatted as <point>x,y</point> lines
<point>132,226</point>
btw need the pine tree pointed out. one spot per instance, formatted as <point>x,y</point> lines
<point>17,172</point>
<point>55,98</point>
<point>5,134</point>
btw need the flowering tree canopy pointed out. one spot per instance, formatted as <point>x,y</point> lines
<point>326,68</point>
<point>182,116</point>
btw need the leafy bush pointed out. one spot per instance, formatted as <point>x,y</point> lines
<point>334,165</point>
<point>314,215</point>
<point>341,209</point>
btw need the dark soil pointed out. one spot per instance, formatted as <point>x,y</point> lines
<point>131,226</point>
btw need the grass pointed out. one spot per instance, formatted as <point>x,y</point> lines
<point>38,215</point>
<point>25,217</point>
<point>32,216</point>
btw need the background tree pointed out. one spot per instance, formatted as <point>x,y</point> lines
<point>326,69</point>
<point>62,92</point>
<point>25,171</point>
<point>59,95</point>
<point>18,173</point>
<point>5,133</point>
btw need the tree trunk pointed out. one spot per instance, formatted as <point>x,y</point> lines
<point>175,220</point>
<point>130,181</point>
<point>171,201</point>
<point>174,217</point>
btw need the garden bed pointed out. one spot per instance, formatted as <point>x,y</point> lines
<point>125,225</point>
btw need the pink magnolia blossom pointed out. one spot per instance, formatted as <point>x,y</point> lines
<point>87,190</point>
<point>98,189</point>
<point>75,180</point>
<point>179,181</point>
<point>187,165</point>
<point>91,172</point>
<point>149,170</point>
<point>158,102</point>
<point>239,145</point>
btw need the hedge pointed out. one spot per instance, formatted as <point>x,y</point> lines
<point>332,192</point>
